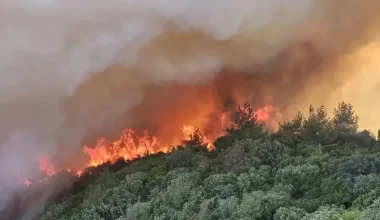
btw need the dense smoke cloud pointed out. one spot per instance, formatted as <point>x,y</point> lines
<point>73,70</point>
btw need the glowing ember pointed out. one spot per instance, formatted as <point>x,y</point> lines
<point>189,130</point>
<point>45,165</point>
<point>27,182</point>
<point>226,120</point>
<point>263,114</point>
<point>79,173</point>
<point>22,180</point>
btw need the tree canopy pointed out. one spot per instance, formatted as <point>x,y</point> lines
<point>313,168</point>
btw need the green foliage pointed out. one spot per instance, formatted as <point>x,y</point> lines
<point>302,178</point>
<point>271,153</point>
<point>289,213</point>
<point>290,131</point>
<point>221,185</point>
<point>372,212</point>
<point>366,200</point>
<point>365,183</point>
<point>245,116</point>
<point>137,211</point>
<point>262,205</point>
<point>179,189</point>
<point>234,158</point>
<point>255,179</point>
<point>224,142</point>
<point>325,213</point>
<point>345,121</point>
<point>317,127</point>
<point>350,215</point>
<point>313,168</point>
<point>246,123</point>
<point>182,157</point>
<point>227,207</point>
<point>295,126</point>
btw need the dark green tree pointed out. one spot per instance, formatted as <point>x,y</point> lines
<point>290,131</point>
<point>196,141</point>
<point>245,116</point>
<point>247,126</point>
<point>295,126</point>
<point>345,120</point>
<point>317,127</point>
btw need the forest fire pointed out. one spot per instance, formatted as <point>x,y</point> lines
<point>130,146</point>
<point>21,180</point>
<point>108,82</point>
<point>45,165</point>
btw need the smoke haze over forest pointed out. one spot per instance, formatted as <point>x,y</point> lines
<point>74,71</point>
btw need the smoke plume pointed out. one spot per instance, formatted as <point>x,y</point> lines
<point>72,71</point>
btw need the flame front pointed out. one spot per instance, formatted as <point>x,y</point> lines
<point>189,130</point>
<point>131,146</point>
<point>45,165</point>
<point>128,147</point>
<point>263,114</point>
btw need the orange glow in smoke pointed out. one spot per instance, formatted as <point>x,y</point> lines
<point>22,180</point>
<point>189,130</point>
<point>45,165</point>
<point>263,114</point>
<point>27,183</point>
<point>131,146</point>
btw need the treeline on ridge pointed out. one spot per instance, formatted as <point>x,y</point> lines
<point>313,168</point>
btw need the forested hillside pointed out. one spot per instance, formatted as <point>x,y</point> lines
<point>315,167</point>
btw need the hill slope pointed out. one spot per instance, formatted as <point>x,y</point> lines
<point>314,167</point>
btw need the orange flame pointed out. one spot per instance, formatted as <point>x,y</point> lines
<point>189,130</point>
<point>263,114</point>
<point>22,180</point>
<point>27,182</point>
<point>130,146</point>
<point>45,165</point>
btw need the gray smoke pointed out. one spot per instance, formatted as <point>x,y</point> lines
<point>70,69</point>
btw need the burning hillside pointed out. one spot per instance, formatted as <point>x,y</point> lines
<point>131,146</point>
<point>75,71</point>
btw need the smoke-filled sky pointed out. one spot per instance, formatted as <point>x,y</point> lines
<point>73,70</point>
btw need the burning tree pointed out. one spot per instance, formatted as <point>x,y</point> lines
<point>245,116</point>
<point>247,124</point>
<point>197,140</point>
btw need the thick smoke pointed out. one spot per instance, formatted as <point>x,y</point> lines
<point>74,70</point>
